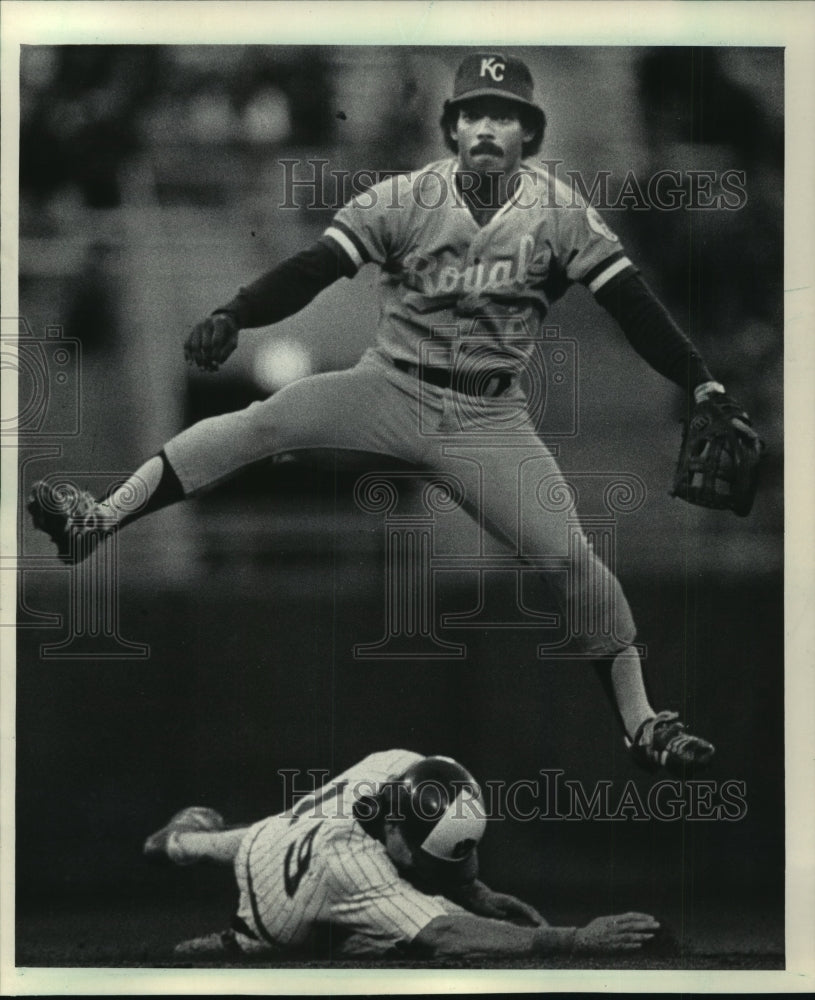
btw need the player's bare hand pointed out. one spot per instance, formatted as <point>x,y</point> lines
<point>623,932</point>
<point>211,342</point>
<point>505,907</point>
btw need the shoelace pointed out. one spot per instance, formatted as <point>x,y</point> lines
<point>661,721</point>
<point>677,744</point>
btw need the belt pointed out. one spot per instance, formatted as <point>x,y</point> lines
<point>486,382</point>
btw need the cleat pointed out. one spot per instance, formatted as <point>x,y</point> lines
<point>663,741</point>
<point>71,517</point>
<point>219,944</point>
<point>161,845</point>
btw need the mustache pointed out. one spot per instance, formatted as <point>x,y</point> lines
<point>486,147</point>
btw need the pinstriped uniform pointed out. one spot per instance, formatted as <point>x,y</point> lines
<point>478,295</point>
<point>314,868</point>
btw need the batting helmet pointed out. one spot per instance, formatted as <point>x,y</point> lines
<point>439,808</point>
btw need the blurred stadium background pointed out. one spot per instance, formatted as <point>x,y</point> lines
<point>151,181</point>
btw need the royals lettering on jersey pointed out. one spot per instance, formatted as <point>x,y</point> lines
<point>441,270</point>
<point>314,867</point>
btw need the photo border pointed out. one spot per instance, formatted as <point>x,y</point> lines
<point>789,25</point>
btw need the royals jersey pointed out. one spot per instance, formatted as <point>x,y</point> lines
<point>314,871</point>
<point>445,276</point>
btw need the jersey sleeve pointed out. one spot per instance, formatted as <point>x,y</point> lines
<point>368,228</point>
<point>588,249</point>
<point>385,765</point>
<point>370,900</point>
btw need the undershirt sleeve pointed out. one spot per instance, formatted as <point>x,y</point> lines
<point>652,332</point>
<point>290,286</point>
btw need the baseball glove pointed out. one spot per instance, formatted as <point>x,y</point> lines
<point>719,457</point>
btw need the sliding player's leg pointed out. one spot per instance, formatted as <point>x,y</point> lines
<point>195,834</point>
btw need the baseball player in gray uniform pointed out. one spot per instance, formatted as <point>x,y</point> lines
<point>472,250</point>
<point>380,862</point>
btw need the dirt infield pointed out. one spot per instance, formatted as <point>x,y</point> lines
<point>141,933</point>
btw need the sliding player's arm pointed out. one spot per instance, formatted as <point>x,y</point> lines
<point>466,936</point>
<point>478,898</point>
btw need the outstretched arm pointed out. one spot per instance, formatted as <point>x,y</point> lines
<point>652,332</point>
<point>720,454</point>
<point>279,293</point>
<point>478,898</point>
<point>465,936</point>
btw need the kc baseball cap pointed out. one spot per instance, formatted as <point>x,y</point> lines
<point>493,74</point>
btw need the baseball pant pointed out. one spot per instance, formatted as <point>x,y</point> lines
<point>488,444</point>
